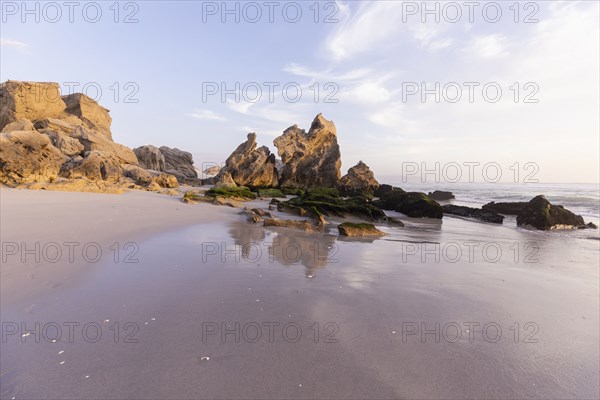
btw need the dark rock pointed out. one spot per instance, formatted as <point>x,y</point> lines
<point>384,189</point>
<point>541,214</point>
<point>150,157</point>
<point>440,195</point>
<point>509,208</point>
<point>179,163</point>
<point>412,204</point>
<point>484,215</point>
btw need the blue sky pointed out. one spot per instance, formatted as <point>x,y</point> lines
<point>371,53</point>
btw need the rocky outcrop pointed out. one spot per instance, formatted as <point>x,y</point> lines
<point>385,189</point>
<point>96,166</point>
<point>66,144</point>
<point>251,166</point>
<point>359,181</point>
<point>30,100</point>
<point>92,115</point>
<point>483,215</point>
<point>225,180</point>
<point>541,214</point>
<point>412,204</point>
<point>356,230</point>
<point>28,156</point>
<point>179,163</point>
<point>93,140</point>
<point>511,208</point>
<point>150,157</point>
<point>212,171</point>
<point>440,195</point>
<point>310,159</point>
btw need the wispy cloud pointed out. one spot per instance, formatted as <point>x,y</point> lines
<point>488,46</point>
<point>206,115</point>
<point>13,43</point>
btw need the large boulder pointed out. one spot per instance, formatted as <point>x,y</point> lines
<point>95,166</point>
<point>29,100</point>
<point>28,156</point>
<point>508,208</point>
<point>441,195</point>
<point>179,163</point>
<point>541,214</point>
<point>385,189</point>
<point>94,141</point>
<point>470,212</point>
<point>67,144</point>
<point>150,157</point>
<point>251,166</point>
<point>359,181</point>
<point>412,204</point>
<point>92,114</point>
<point>311,159</point>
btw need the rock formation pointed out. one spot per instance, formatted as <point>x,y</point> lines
<point>311,159</point>
<point>541,214</point>
<point>359,181</point>
<point>356,230</point>
<point>440,195</point>
<point>484,215</point>
<point>251,166</point>
<point>179,163</point>
<point>150,157</point>
<point>64,143</point>
<point>412,204</point>
<point>510,208</point>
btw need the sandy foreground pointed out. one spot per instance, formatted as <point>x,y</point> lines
<point>198,303</point>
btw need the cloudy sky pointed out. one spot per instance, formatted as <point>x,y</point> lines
<point>488,83</point>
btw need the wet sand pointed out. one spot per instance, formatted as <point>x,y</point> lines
<point>183,321</point>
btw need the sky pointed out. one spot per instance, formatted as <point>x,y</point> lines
<point>411,86</point>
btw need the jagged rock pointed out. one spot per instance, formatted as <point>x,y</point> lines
<point>92,114</point>
<point>68,145</point>
<point>150,157</point>
<point>179,163</point>
<point>359,181</point>
<point>412,204</point>
<point>354,230</point>
<point>384,189</point>
<point>28,156</point>
<point>541,214</point>
<point>311,159</point>
<point>148,178</point>
<point>29,100</point>
<point>95,166</point>
<point>165,180</point>
<point>65,125</point>
<point>94,141</point>
<point>303,225</point>
<point>484,215</point>
<point>440,195</point>
<point>21,124</point>
<point>511,208</point>
<point>251,166</point>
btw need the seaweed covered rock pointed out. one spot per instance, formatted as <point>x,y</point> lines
<point>412,204</point>
<point>357,230</point>
<point>441,195</point>
<point>483,215</point>
<point>384,189</point>
<point>509,208</point>
<point>303,225</point>
<point>541,214</point>
<point>359,181</point>
<point>327,202</point>
<point>251,166</point>
<point>312,159</point>
<point>239,193</point>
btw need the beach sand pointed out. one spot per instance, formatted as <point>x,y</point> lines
<point>216,307</point>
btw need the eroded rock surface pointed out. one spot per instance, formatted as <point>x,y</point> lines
<point>359,181</point>
<point>251,166</point>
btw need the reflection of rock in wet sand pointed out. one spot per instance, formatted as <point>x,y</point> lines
<point>247,236</point>
<point>287,246</point>
<point>312,250</point>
